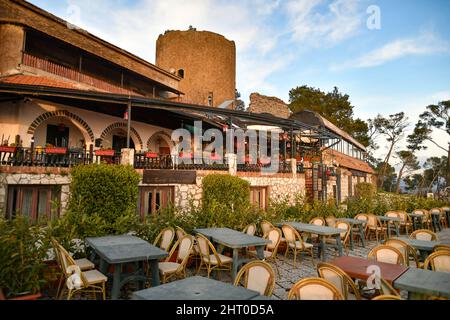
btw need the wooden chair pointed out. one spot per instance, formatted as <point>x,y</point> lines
<point>165,238</point>
<point>438,261</point>
<point>180,232</point>
<point>92,281</point>
<point>405,221</point>
<point>295,243</point>
<point>406,250</point>
<point>271,249</point>
<point>374,226</point>
<point>423,234</point>
<point>314,289</point>
<point>339,279</point>
<point>345,236</point>
<point>257,276</point>
<point>182,249</point>
<point>83,263</point>
<point>210,259</point>
<point>386,254</point>
<point>250,229</point>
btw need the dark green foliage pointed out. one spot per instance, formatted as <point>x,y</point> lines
<point>228,191</point>
<point>23,249</point>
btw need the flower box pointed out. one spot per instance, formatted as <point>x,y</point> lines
<point>151,155</point>
<point>55,150</point>
<point>28,297</point>
<point>8,149</point>
<point>105,153</point>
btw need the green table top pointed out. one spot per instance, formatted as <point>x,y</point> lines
<point>353,221</point>
<point>125,248</point>
<point>311,228</point>
<point>424,282</point>
<point>195,288</point>
<point>420,244</point>
<point>232,238</point>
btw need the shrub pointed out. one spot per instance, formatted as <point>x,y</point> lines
<point>229,191</point>
<point>23,249</point>
<point>365,190</point>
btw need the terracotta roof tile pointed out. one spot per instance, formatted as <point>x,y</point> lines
<point>348,162</point>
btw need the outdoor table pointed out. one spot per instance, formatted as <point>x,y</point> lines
<point>357,268</point>
<point>425,247</point>
<point>235,240</point>
<point>417,219</point>
<point>321,231</point>
<point>125,249</point>
<point>424,282</point>
<point>195,288</point>
<point>388,221</point>
<point>360,224</point>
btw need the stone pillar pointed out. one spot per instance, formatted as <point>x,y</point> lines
<point>294,167</point>
<point>11,45</point>
<point>127,157</point>
<point>232,163</point>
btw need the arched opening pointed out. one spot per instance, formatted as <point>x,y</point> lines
<point>116,139</point>
<point>160,143</point>
<point>59,131</point>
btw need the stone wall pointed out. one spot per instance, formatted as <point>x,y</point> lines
<point>264,104</point>
<point>11,43</point>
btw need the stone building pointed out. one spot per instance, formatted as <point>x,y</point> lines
<point>207,65</point>
<point>70,98</point>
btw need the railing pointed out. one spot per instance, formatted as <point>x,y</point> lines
<point>153,161</point>
<point>65,72</point>
<point>39,157</point>
<point>284,167</point>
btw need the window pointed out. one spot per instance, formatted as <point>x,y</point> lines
<point>259,197</point>
<point>32,201</point>
<point>58,135</point>
<point>210,99</point>
<point>151,199</point>
<point>181,73</point>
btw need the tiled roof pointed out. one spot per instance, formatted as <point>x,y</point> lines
<point>348,162</point>
<point>56,83</point>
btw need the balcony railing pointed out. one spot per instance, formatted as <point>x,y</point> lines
<point>68,73</point>
<point>44,157</point>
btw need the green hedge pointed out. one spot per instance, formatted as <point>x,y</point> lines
<point>230,191</point>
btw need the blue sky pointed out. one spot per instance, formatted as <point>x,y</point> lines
<point>403,66</point>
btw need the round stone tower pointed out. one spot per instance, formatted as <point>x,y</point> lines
<point>205,61</point>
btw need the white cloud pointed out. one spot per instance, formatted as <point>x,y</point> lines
<point>441,96</point>
<point>425,44</point>
<point>316,25</point>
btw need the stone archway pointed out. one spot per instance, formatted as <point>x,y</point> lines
<point>162,135</point>
<point>77,120</point>
<point>122,125</point>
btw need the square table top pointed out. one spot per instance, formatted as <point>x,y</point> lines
<point>124,248</point>
<point>357,268</point>
<point>311,228</point>
<point>195,288</point>
<point>425,282</point>
<point>353,221</point>
<point>416,215</point>
<point>384,218</point>
<point>421,244</point>
<point>232,238</point>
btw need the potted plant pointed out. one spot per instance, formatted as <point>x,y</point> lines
<point>50,149</point>
<point>24,248</point>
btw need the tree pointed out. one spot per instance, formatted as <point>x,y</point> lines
<point>435,172</point>
<point>413,181</point>
<point>239,104</point>
<point>408,162</point>
<point>334,106</point>
<point>435,117</point>
<point>390,180</point>
<point>392,128</point>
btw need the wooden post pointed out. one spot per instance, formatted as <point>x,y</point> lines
<point>129,125</point>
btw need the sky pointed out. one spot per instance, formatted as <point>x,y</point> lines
<point>387,55</point>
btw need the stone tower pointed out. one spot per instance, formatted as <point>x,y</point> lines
<point>205,61</point>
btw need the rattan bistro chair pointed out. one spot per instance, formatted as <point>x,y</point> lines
<point>180,232</point>
<point>210,259</point>
<point>345,236</point>
<point>250,229</point>
<point>182,249</point>
<point>271,249</point>
<point>257,276</point>
<point>386,254</point>
<point>440,247</point>
<point>339,279</point>
<point>266,226</point>
<point>387,289</point>
<point>314,289</point>
<point>92,281</point>
<point>165,238</point>
<point>317,221</point>
<point>331,221</point>
<point>361,217</point>
<point>405,221</point>
<point>295,243</point>
<point>426,220</point>
<point>374,226</point>
<point>438,261</point>
<point>387,297</point>
<point>406,250</point>
<point>423,234</point>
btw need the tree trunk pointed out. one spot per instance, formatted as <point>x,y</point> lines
<point>399,177</point>
<point>448,167</point>
<point>385,163</point>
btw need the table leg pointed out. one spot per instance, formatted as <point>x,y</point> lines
<point>388,230</point>
<point>323,247</point>
<point>339,244</point>
<point>116,282</point>
<point>235,263</point>
<point>415,223</point>
<point>103,266</point>
<point>155,273</point>
<point>397,229</point>
<point>362,235</point>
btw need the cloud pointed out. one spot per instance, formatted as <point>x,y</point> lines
<point>314,24</point>
<point>441,96</point>
<point>426,43</point>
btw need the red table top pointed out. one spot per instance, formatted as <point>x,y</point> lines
<point>357,268</point>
